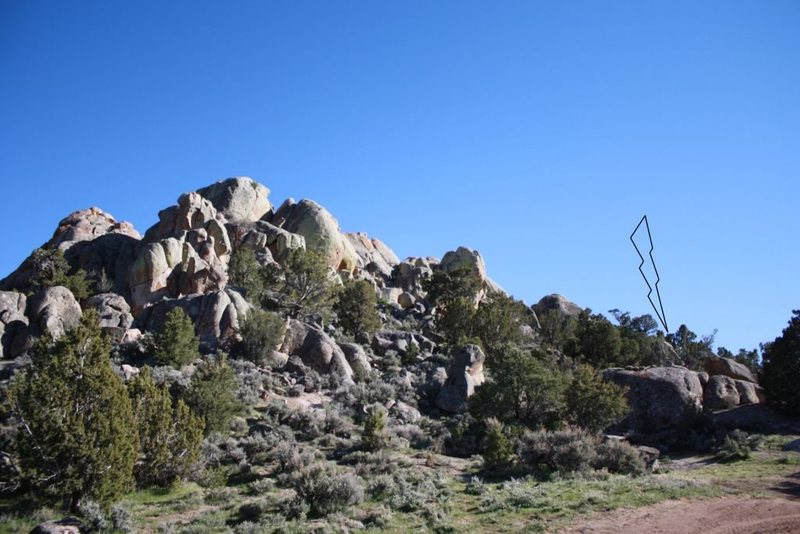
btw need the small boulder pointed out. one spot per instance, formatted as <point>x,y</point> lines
<point>357,358</point>
<point>12,319</point>
<point>69,525</point>
<point>556,302</point>
<point>315,348</point>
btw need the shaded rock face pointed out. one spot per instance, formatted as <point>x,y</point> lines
<point>217,315</point>
<point>315,348</point>
<point>721,393</point>
<point>464,375</point>
<point>53,311</point>
<point>660,398</point>
<point>320,230</point>
<point>749,393</point>
<point>357,358</point>
<point>185,253</point>
<point>91,240</point>
<point>12,319</point>
<point>112,310</point>
<point>556,302</point>
<point>716,365</point>
<point>408,277</point>
<point>239,200</point>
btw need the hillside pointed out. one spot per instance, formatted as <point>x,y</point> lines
<point>242,367</point>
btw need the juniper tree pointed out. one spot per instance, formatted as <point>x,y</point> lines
<point>356,308</point>
<point>170,435</point>
<point>212,394</point>
<point>77,434</point>
<point>175,342</point>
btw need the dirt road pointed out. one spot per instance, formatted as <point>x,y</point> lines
<point>728,515</point>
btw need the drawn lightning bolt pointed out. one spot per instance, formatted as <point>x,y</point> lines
<point>660,308</point>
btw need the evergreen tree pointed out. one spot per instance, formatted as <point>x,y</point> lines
<point>77,435</point>
<point>262,332</point>
<point>169,436</point>
<point>245,273</point>
<point>498,450</point>
<point>498,321</point>
<point>175,342</point>
<point>454,294</point>
<point>780,368</point>
<point>212,394</point>
<point>305,284</point>
<point>373,436</point>
<point>356,308</point>
<point>521,389</point>
<point>592,403</point>
<point>50,268</point>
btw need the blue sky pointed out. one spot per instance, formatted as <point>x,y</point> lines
<point>538,133</point>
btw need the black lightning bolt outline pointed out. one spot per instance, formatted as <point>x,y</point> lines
<point>661,316</point>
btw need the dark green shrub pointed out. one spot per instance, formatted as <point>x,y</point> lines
<point>262,333</point>
<point>305,284</point>
<point>175,342</point>
<point>212,394</point>
<point>169,435</point>
<point>593,403</point>
<point>245,273</point>
<point>498,450</point>
<point>374,435</point>
<point>356,308</point>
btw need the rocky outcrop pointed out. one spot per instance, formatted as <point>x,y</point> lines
<point>239,200</point>
<point>315,348</point>
<point>12,319</point>
<point>409,275</point>
<point>320,230</point>
<point>87,225</point>
<point>374,257</point>
<point>269,242</point>
<point>185,253</point>
<point>556,302</point>
<point>53,311</point>
<point>465,373</point>
<point>716,365</point>
<point>217,315</point>
<point>660,398</point>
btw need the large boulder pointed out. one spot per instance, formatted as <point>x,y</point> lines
<point>749,393</point>
<point>556,302</point>
<point>466,373</point>
<point>69,525</point>
<point>112,310</point>
<point>661,398</point>
<point>217,315</point>
<point>315,348</point>
<point>471,260</point>
<point>357,358</point>
<point>716,365</point>
<point>410,274</point>
<point>12,319</point>
<point>240,200</point>
<point>721,393</point>
<point>320,230</point>
<point>53,311</point>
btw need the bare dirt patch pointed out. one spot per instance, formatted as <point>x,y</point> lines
<point>728,515</point>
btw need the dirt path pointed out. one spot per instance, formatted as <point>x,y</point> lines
<point>728,515</point>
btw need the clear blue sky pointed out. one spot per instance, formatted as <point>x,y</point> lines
<point>536,132</point>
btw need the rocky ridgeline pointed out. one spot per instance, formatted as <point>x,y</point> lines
<point>183,260</point>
